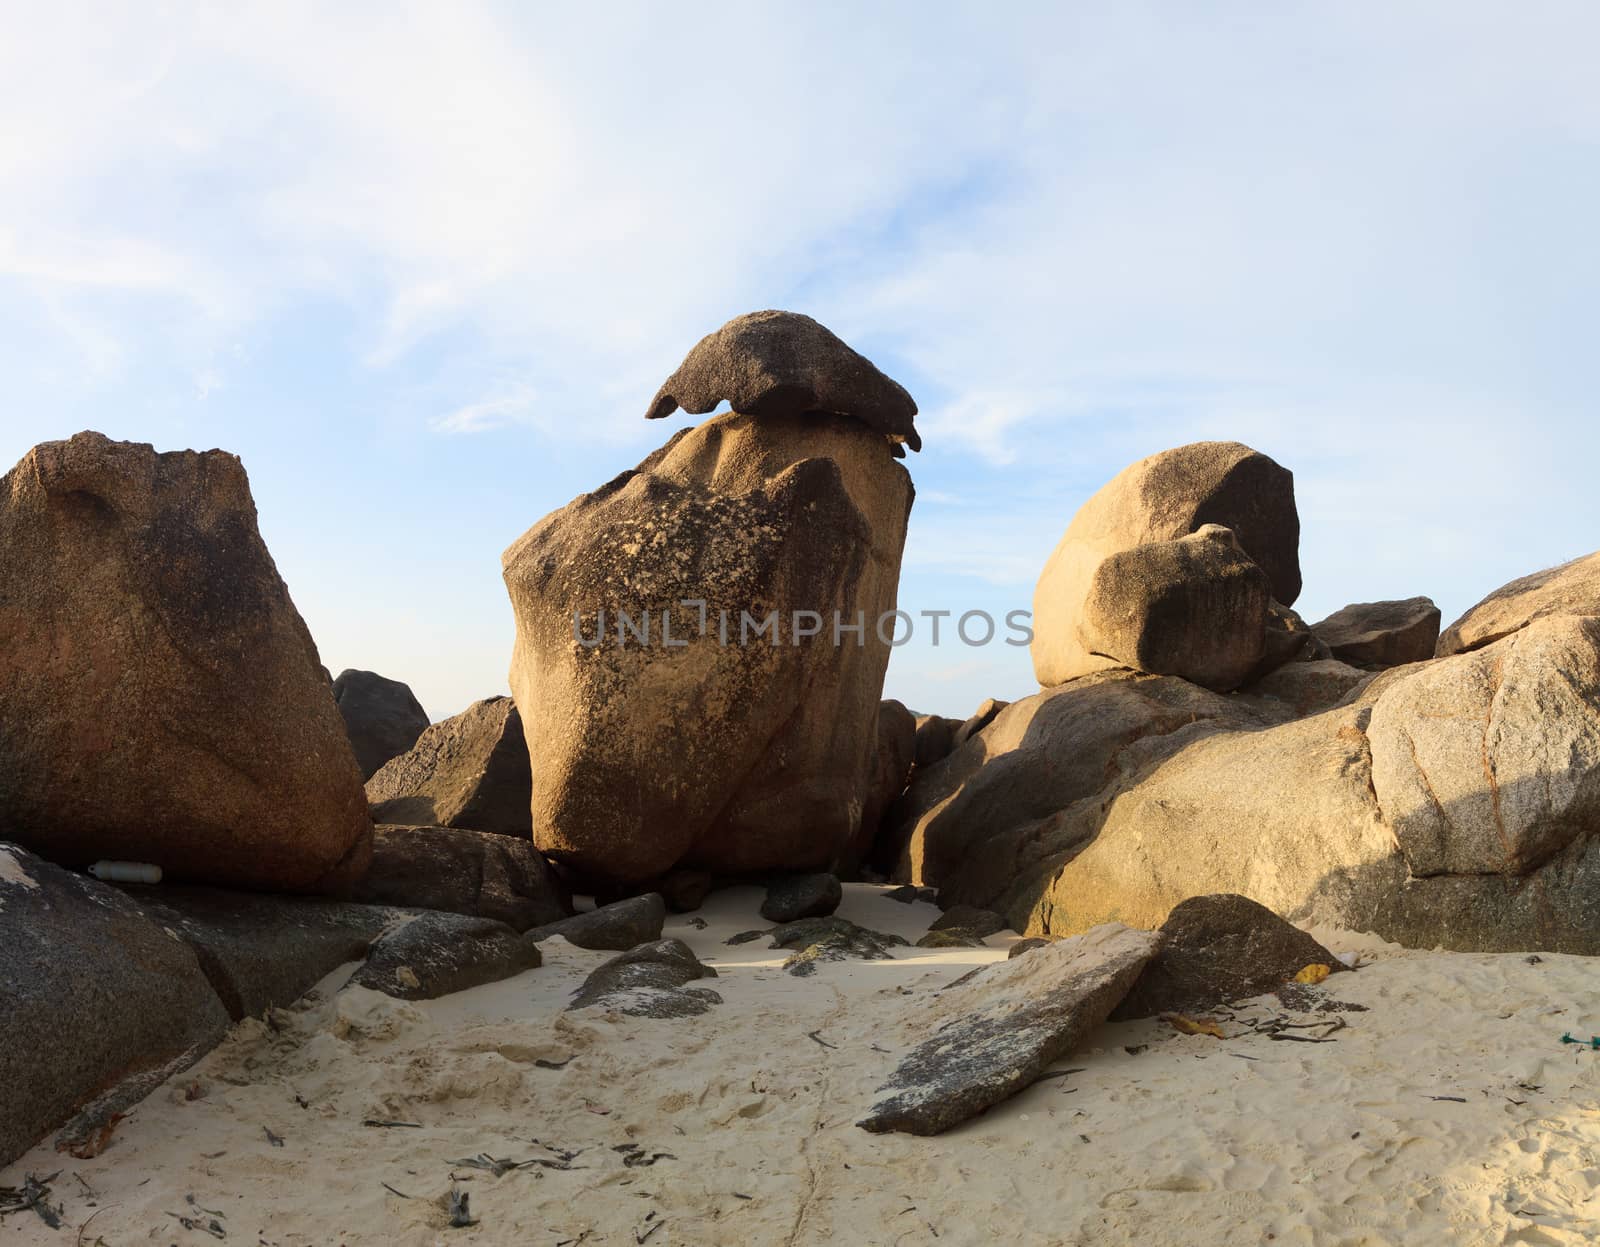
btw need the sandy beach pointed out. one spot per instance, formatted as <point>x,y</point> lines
<point>1445,1109</point>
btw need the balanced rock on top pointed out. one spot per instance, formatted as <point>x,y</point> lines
<point>160,698</point>
<point>785,364</point>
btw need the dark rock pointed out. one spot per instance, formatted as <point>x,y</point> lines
<point>1029,944</point>
<point>161,700</point>
<point>261,952</point>
<point>381,717</point>
<point>1217,949</point>
<point>792,897</point>
<point>956,937</point>
<point>891,767</point>
<point>817,940</point>
<point>970,921</point>
<point>470,772</point>
<point>93,995</point>
<point>477,873</point>
<point>1382,634</point>
<point>936,737</point>
<point>437,954</point>
<point>685,890</point>
<point>785,364</point>
<point>618,927</point>
<point>1002,1027</point>
<point>649,981</point>
<point>906,894</point>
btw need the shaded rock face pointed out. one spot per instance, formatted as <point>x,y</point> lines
<point>479,874</point>
<point>1163,499</point>
<point>732,758</point>
<point>1571,589</point>
<point>650,981</point>
<point>1217,949</point>
<point>936,737</point>
<point>91,994</point>
<point>794,897</point>
<point>891,767</point>
<point>470,771</point>
<point>160,697</point>
<point>1196,607</point>
<point>1382,634</point>
<point>620,926</point>
<point>785,364</point>
<point>816,940</point>
<point>437,954</point>
<point>381,717</point>
<point>1311,687</point>
<point>1489,762</point>
<point>999,1029</point>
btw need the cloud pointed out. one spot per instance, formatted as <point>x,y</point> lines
<point>512,407</point>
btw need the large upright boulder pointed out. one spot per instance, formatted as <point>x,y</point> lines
<point>469,771</point>
<point>785,364</point>
<point>160,697</point>
<point>662,736</point>
<point>891,765</point>
<point>1102,602</point>
<point>1382,634</point>
<point>1571,589</point>
<point>381,716</point>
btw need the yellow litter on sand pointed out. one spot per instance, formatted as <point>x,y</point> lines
<point>1314,973</point>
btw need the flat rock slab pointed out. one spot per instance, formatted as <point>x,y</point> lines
<point>1000,1028</point>
<point>792,897</point>
<point>1216,949</point>
<point>816,940</point>
<point>92,994</point>
<point>616,927</point>
<point>261,952</point>
<point>437,954</point>
<point>476,873</point>
<point>649,981</point>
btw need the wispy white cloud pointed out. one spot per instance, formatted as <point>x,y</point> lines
<point>515,406</point>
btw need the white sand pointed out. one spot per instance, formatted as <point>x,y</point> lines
<point>1186,1142</point>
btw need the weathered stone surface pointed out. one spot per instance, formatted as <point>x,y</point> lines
<point>1032,942</point>
<point>1311,687</point>
<point>617,927</point>
<point>381,716</point>
<point>160,698</point>
<point>936,737</point>
<point>263,952</point>
<point>1196,608</point>
<point>470,771</point>
<point>785,364</point>
<point>1571,589</point>
<point>1382,634</point>
<point>999,1029</point>
<point>970,920</point>
<point>815,940</point>
<point>792,897</point>
<point>476,873</point>
<point>91,994</point>
<point>685,890</point>
<point>1288,639</point>
<point>1161,499</point>
<point>977,721</point>
<point>1489,762</point>
<point>1024,793</point>
<point>732,758</point>
<point>438,954</point>
<point>1218,949</point>
<point>649,981</point>
<point>891,767</point>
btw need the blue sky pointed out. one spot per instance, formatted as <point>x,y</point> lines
<point>423,267</point>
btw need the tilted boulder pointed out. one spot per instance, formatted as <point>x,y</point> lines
<point>470,771</point>
<point>695,740</point>
<point>160,698</point>
<point>1086,616</point>
<point>891,767</point>
<point>381,717</point>
<point>439,954</point>
<point>1571,589</point>
<point>785,364</point>
<point>1489,762</point>
<point>476,873</point>
<point>1382,634</point>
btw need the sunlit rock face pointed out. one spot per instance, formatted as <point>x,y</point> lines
<point>711,744</point>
